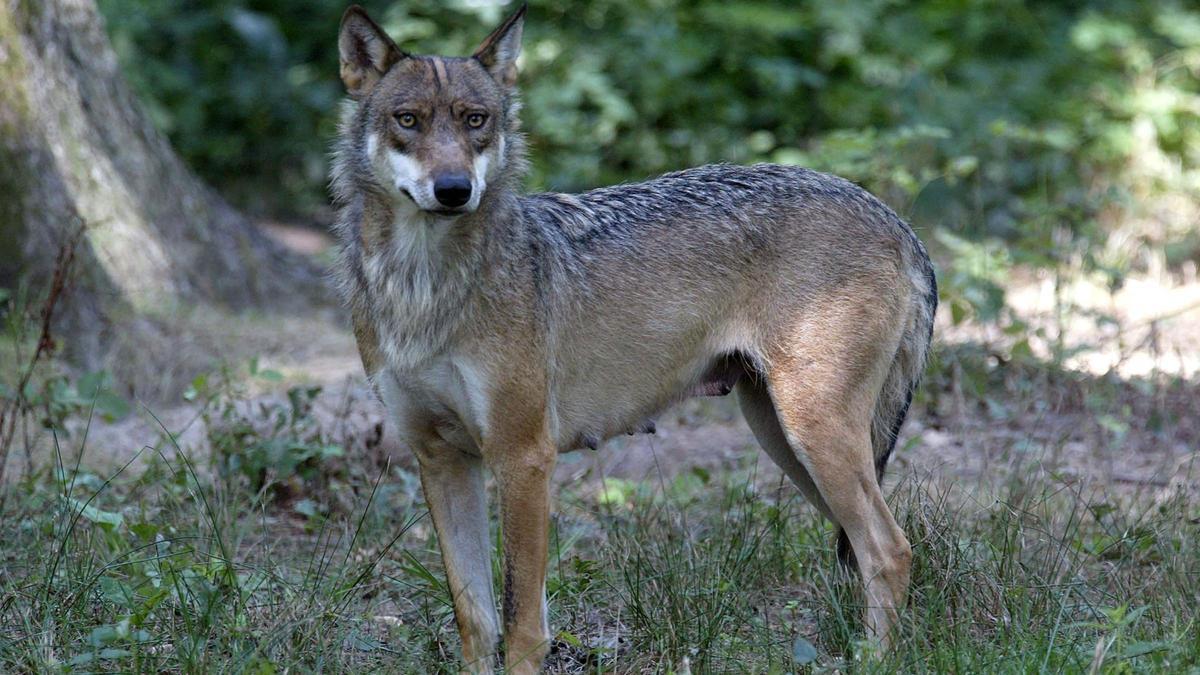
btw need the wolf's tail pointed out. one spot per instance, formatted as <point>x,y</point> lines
<point>902,379</point>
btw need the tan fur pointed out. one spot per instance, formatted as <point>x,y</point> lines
<point>506,329</point>
<point>368,345</point>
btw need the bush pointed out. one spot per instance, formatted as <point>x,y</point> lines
<point>1044,126</point>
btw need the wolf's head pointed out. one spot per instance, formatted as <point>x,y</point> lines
<point>433,128</point>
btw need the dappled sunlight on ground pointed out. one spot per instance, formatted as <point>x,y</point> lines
<point>1149,326</point>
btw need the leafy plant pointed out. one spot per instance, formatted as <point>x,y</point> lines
<point>275,447</point>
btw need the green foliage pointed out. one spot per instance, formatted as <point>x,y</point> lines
<point>276,448</point>
<point>54,399</point>
<point>140,576</point>
<point>680,579</point>
<point>165,568</point>
<point>33,392</point>
<point>246,91</point>
<point>994,111</point>
<point>1043,132</point>
<point>58,399</point>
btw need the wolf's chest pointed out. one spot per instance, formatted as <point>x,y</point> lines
<point>417,300</point>
<point>447,394</point>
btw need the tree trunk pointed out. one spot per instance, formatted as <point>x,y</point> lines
<point>77,151</point>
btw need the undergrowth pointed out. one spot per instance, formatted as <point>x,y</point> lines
<point>178,568</point>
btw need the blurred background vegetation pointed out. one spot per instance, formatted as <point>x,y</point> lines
<point>1052,134</point>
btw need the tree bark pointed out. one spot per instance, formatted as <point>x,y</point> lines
<point>77,151</point>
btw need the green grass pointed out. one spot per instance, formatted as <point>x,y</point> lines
<point>172,571</point>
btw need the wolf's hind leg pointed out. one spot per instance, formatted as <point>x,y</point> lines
<point>759,411</point>
<point>825,417</point>
<point>454,489</point>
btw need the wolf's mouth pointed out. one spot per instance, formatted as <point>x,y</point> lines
<point>443,212</point>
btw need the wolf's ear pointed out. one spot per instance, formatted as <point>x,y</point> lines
<point>499,51</point>
<point>365,51</point>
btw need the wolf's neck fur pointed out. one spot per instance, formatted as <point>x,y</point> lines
<point>423,278</point>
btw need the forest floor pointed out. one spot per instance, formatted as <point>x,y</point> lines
<point>1054,510</point>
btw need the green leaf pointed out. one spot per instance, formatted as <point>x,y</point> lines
<point>138,617</point>
<point>117,592</point>
<point>144,531</point>
<point>199,384</point>
<point>1141,648</point>
<point>112,406</point>
<point>803,651</point>
<point>271,375</point>
<point>327,451</point>
<point>103,635</point>
<point>102,655</point>
<point>108,520</point>
<point>91,383</point>
<point>570,638</point>
<point>96,388</point>
<point>307,507</point>
<point>362,642</point>
<point>261,666</point>
<point>1117,427</point>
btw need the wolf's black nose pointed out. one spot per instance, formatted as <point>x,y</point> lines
<point>452,190</point>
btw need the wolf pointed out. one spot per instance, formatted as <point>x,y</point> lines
<point>500,329</point>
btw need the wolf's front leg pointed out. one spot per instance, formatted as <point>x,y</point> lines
<point>454,489</point>
<point>523,478</point>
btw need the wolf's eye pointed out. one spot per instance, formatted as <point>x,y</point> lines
<point>406,120</point>
<point>476,120</point>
